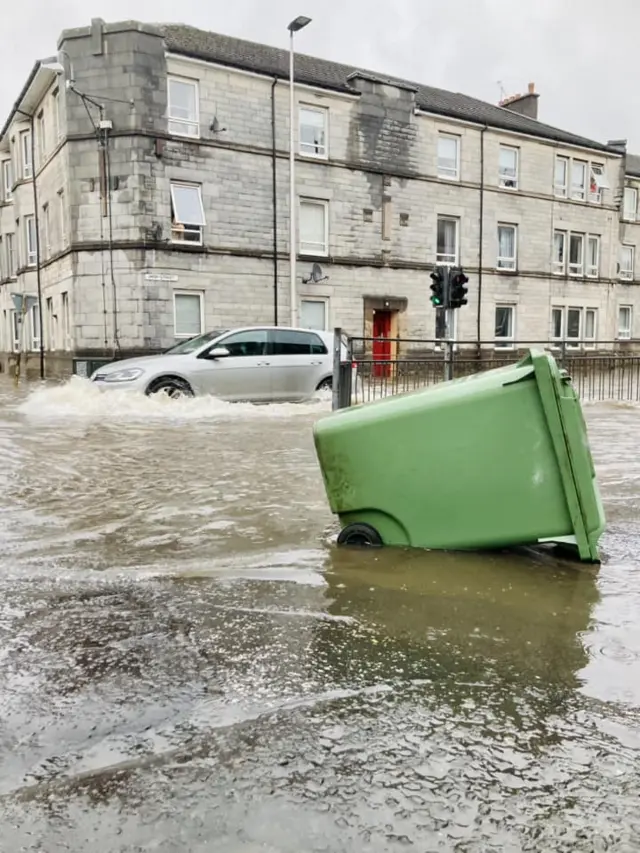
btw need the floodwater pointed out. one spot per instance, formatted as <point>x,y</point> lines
<point>187,663</point>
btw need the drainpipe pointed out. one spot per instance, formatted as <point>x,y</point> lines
<point>36,221</point>
<point>274,200</point>
<point>481,238</point>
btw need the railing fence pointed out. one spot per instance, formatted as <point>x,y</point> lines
<point>367,369</point>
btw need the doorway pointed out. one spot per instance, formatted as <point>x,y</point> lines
<point>382,321</point>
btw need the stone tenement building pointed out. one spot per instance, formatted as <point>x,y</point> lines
<point>172,216</point>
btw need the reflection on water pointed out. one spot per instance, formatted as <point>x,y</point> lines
<point>480,618</point>
<point>187,663</point>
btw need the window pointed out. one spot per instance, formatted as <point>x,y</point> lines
<point>30,240</point>
<point>52,325</point>
<point>46,231</point>
<point>508,170</point>
<point>627,263</point>
<point>9,245</point>
<point>287,342</point>
<point>448,156</point>
<point>589,331</point>
<point>247,344</point>
<point>576,254</point>
<point>7,180</point>
<point>187,313</point>
<point>447,244</point>
<point>183,107</point>
<point>625,317</point>
<point>574,325</point>
<point>579,263</point>
<point>41,137</point>
<point>34,322</point>
<point>313,131</point>
<point>557,324</point>
<point>504,335</point>
<point>559,252</point>
<point>507,247</point>
<point>578,180</point>
<point>25,149</point>
<point>314,227</point>
<point>55,114</point>
<point>597,183</point>
<point>62,211</point>
<point>313,314</point>
<point>593,256</point>
<point>66,322</point>
<point>187,214</point>
<point>630,206</point>
<point>561,178</point>
<point>440,324</point>
<point>15,329</point>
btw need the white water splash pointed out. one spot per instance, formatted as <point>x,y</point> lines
<point>80,399</point>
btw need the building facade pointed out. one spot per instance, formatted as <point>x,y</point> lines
<point>145,198</point>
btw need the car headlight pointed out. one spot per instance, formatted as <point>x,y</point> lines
<point>126,375</point>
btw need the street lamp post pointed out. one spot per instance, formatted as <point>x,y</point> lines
<point>295,26</point>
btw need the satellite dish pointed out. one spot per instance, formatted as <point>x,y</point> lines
<point>215,126</point>
<point>316,275</point>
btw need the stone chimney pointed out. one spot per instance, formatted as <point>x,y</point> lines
<point>526,105</point>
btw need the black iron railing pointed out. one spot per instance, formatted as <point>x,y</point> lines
<point>609,370</point>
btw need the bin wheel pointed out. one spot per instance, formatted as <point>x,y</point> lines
<point>362,535</point>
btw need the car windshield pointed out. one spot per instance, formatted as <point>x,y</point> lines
<point>195,343</point>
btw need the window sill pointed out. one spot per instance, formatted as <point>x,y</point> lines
<point>502,347</point>
<point>304,254</point>
<point>187,245</point>
<point>195,136</point>
<point>508,189</point>
<point>452,179</point>
<point>504,271</point>
<point>308,155</point>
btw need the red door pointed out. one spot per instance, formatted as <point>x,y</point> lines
<point>381,343</point>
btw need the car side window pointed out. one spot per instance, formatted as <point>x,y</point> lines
<point>249,343</point>
<point>288,342</point>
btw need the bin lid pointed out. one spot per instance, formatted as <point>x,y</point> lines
<point>568,432</point>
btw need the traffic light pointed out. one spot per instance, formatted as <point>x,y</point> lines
<point>438,287</point>
<point>458,288</point>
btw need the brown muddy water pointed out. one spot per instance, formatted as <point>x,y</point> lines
<point>187,663</point>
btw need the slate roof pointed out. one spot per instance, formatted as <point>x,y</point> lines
<point>273,61</point>
<point>633,165</point>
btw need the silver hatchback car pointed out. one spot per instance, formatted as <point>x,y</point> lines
<point>256,363</point>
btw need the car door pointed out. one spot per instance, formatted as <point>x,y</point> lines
<point>241,375</point>
<point>297,360</point>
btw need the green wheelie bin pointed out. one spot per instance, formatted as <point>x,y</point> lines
<point>493,460</point>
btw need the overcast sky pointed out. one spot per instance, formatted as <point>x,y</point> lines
<point>581,54</point>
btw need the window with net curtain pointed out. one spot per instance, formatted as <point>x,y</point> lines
<point>506,247</point>
<point>313,227</point>
<point>313,314</point>
<point>447,243</point>
<point>188,314</point>
<point>504,324</point>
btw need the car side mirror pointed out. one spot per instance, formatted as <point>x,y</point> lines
<point>218,352</point>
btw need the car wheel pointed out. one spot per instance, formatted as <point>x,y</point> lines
<point>360,535</point>
<point>172,386</point>
<point>326,384</point>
